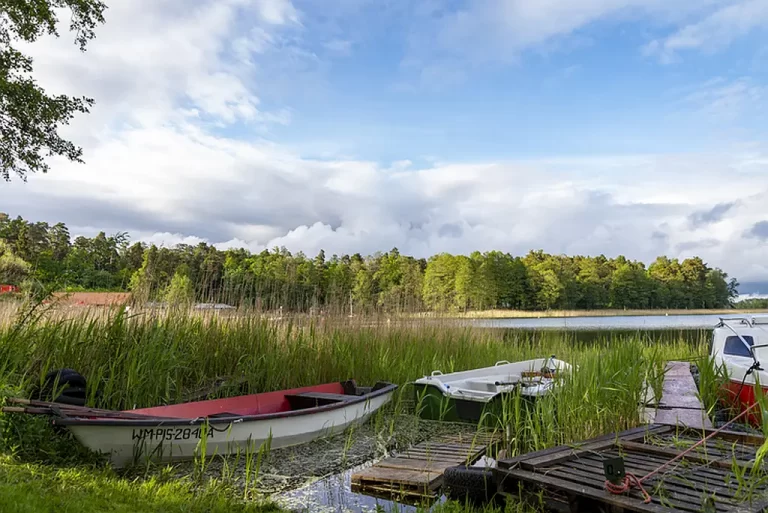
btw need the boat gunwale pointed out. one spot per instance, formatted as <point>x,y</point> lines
<point>67,420</point>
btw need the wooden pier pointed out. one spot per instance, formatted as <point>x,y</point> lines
<point>680,404</point>
<point>417,473</point>
<point>573,479</point>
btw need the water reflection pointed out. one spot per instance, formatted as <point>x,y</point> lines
<point>334,494</point>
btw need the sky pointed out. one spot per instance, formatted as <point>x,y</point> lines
<point>615,127</point>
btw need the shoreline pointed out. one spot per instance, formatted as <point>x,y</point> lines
<point>561,314</point>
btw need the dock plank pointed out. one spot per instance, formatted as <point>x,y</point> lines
<point>680,404</point>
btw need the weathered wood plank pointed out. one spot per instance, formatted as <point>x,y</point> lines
<point>671,453</point>
<point>398,477</point>
<point>630,434</point>
<point>685,500</point>
<point>680,403</point>
<point>629,504</point>
<point>683,417</point>
<point>413,464</point>
<point>684,489</point>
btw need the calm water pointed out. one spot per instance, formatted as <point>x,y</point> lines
<point>624,322</point>
<point>333,495</point>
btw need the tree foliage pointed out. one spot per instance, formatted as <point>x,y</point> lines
<point>391,281</point>
<point>29,117</point>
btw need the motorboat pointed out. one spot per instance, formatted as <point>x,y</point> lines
<point>740,347</point>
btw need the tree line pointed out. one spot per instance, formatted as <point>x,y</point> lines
<point>39,253</point>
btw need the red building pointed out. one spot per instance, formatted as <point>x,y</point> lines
<point>5,289</point>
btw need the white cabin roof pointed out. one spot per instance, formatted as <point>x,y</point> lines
<point>749,320</point>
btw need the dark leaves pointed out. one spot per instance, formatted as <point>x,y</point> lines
<point>29,118</point>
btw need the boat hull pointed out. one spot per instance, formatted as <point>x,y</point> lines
<point>742,397</point>
<point>160,442</point>
<point>480,396</point>
<point>432,404</point>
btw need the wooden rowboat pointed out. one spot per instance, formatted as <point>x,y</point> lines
<point>224,426</point>
<point>468,396</point>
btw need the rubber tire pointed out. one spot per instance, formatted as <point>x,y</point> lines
<point>475,484</point>
<point>73,394</point>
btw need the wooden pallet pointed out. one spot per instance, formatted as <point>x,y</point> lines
<point>573,479</point>
<point>417,473</point>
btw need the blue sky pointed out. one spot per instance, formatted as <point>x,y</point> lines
<point>632,127</point>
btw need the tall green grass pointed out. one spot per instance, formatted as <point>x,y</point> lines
<point>146,359</point>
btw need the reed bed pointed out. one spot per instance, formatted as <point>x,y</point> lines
<point>144,359</point>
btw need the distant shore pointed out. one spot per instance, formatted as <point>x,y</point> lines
<point>525,314</point>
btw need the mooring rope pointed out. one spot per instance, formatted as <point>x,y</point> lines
<point>629,480</point>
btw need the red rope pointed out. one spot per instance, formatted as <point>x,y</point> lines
<point>626,485</point>
<point>630,479</point>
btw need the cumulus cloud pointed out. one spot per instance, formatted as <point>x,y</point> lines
<point>759,230</point>
<point>712,215</point>
<point>240,194</point>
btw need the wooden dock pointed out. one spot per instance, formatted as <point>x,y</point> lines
<point>573,479</point>
<point>417,473</point>
<point>680,404</point>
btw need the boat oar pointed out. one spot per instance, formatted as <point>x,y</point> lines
<point>20,409</point>
<point>79,411</point>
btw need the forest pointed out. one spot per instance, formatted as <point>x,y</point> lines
<point>37,254</point>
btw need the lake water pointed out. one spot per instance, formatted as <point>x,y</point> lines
<point>619,322</point>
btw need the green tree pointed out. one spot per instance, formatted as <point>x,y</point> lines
<point>12,268</point>
<point>440,282</point>
<point>180,291</point>
<point>629,287</point>
<point>144,281</point>
<point>30,118</point>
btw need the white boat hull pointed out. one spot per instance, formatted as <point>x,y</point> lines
<point>482,385</point>
<point>161,443</point>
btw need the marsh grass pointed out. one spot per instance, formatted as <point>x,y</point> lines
<point>133,360</point>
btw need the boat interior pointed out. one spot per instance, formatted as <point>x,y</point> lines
<point>490,381</point>
<point>266,403</point>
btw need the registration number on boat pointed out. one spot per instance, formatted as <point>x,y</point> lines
<point>163,434</point>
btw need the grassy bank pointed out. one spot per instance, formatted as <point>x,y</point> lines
<point>145,360</point>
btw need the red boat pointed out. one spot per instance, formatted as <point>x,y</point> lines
<point>739,347</point>
<point>176,432</point>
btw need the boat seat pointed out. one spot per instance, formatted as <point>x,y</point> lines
<point>313,399</point>
<point>325,395</point>
<point>490,384</point>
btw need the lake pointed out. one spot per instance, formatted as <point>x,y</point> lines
<point>622,322</point>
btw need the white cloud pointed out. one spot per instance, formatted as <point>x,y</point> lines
<point>499,31</point>
<point>168,185</point>
<point>341,47</point>
<point>158,166</point>
<point>714,31</point>
<point>726,99</point>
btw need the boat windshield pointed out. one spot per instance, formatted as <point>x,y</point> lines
<point>734,345</point>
